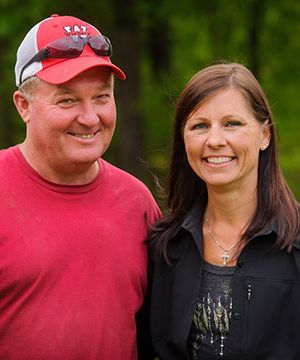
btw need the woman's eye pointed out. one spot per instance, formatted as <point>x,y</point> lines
<point>233,123</point>
<point>200,126</point>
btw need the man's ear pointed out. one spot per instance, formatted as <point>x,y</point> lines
<point>22,105</point>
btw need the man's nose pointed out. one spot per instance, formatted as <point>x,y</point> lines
<point>88,114</point>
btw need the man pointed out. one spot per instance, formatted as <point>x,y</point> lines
<point>73,265</point>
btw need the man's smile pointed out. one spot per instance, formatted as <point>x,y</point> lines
<point>84,136</point>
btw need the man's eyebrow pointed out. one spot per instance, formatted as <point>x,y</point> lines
<point>105,86</point>
<point>63,91</point>
<point>69,91</point>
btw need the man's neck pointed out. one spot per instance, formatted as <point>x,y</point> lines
<point>76,174</point>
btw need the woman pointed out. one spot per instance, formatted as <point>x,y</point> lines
<point>225,262</point>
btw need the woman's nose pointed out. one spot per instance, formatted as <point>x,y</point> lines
<point>215,137</point>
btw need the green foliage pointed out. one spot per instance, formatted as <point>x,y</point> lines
<point>173,41</point>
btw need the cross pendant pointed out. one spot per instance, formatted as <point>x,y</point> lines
<point>225,257</point>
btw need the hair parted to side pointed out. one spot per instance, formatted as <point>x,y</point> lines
<point>184,188</point>
<point>30,86</point>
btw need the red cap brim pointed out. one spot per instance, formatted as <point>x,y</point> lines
<point>65,70</point>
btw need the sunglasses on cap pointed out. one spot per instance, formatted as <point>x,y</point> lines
<point>70,48</point>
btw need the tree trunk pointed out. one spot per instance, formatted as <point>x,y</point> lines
<point>256,22</point>
<point>126,56</point>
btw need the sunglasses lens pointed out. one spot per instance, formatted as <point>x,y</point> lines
<point>65,48</point>
<point>70,48</point>
<point>100,45</point>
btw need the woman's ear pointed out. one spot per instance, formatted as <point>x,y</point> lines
<point>22,105</point>
<point>266,135</point>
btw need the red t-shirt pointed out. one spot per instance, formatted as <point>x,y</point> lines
<point>73,266</point>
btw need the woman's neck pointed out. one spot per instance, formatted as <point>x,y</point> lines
<point>231,207</point>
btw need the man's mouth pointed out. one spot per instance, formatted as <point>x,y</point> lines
<point>219,160</point>
<point>83,136</point>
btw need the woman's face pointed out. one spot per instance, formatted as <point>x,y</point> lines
<point>223,140</point>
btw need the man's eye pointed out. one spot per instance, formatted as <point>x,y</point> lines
<point>66,101</point>
<point>103,96</point>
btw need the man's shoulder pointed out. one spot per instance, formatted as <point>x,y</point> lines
<point>7,152</point>
<point>7,156</point>
<point>119,175</point>
<point>128,187</point>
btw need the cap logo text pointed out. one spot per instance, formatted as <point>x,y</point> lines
<point>76,30</point>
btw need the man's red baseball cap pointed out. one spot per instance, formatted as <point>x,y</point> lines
<point>59,48</point>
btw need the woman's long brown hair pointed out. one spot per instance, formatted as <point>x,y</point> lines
<point>184,188</point>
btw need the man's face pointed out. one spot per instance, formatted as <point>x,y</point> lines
<point>71,125</point>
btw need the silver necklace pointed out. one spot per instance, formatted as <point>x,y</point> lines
<point>225,256</point>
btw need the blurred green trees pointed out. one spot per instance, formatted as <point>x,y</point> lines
<point>160,45</point>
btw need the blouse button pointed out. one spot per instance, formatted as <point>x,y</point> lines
<point>236,316</point>
<point>241,263</point>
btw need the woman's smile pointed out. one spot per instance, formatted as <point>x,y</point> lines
<point>223,140</point>
<point>218,160</point>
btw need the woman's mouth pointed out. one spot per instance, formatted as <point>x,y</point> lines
<point>219,160</point>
